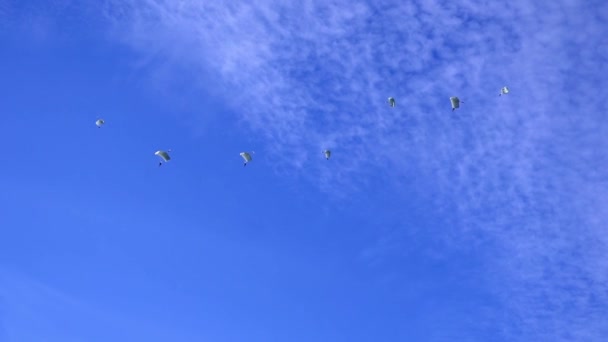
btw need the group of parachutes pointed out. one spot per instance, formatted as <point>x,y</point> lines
<point>165,157</point>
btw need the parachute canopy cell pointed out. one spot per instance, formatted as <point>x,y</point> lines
<point>99,122</point>
<point>163,155</point>
<point>504,91</point>
<point>391,101</point>
<point>455,101</point>
<point>246,157</point>
<point>327,154</point>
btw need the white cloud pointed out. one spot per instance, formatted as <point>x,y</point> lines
<point>526,170</point>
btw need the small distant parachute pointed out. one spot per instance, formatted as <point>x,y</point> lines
<point>455,101</point>
<point>504,91</point>
<point>100,122</point>
<point>246,157</point>
<point>391,101</point>
<point>327,154</point>
<point>164,155</point>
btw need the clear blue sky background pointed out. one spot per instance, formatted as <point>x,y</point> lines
<point>489,223</point>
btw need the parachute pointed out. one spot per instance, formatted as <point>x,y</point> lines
<point>455,101</point>
<point>504,91</point>
<point>327,154</point>
<point>391,101</point>
<point>163,155</point>
<point>99,122</point>
<point>246,157</point>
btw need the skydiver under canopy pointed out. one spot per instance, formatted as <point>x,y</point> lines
<point>455,101</point>
<point>163,155</point>
<point>246,157</point>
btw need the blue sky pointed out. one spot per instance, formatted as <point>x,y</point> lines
<point>487,223</point>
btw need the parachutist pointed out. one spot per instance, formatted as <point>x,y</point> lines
<point>163,155</point>
<point>455,102</point>
<point>246,157</point>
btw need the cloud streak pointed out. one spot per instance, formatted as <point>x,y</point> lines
<point>31,310</point>
<point>525,170</point>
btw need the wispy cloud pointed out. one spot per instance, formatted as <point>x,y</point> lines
<point>525,170</point>
<point>31,310</point>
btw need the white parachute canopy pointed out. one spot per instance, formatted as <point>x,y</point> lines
<point>246,157</point>
<point>100,122</point>
<point>504,91</point>
<point>391,101</point>
<point>164,155</point>
<point>455,101</point>
<point>327,154</point>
